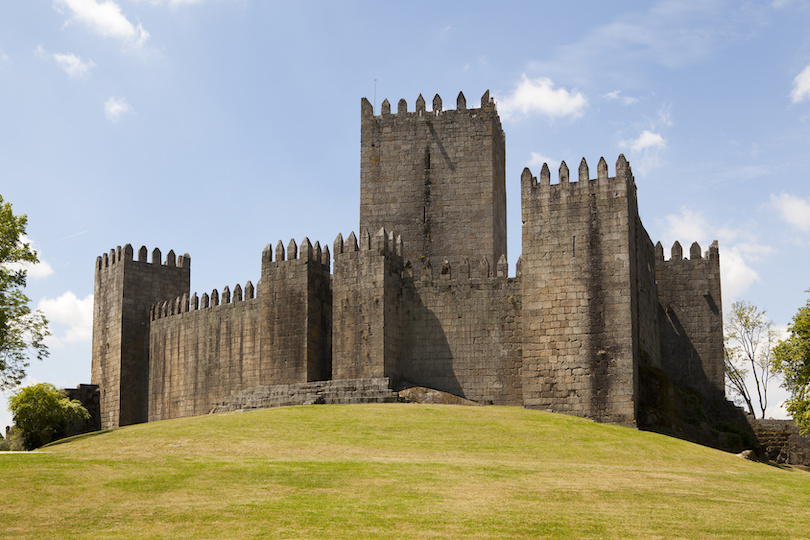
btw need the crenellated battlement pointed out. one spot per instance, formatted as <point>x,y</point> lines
<point>676,253</point>
<point>293,252</point>
<point>623,174</point>
<point>126,254</point>
<point>382,243</point>
<point>420,109</point>
<point>186,304</point>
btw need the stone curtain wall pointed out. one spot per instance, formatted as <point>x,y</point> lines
<point>125,289</point>
<point>579,354</point>
<point>199,357</point>
<point>691,317</point>
<point>435,177</point>
<point>465,333</point>
<point>206,349</point>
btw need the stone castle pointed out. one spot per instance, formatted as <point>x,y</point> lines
<point>422,296</point>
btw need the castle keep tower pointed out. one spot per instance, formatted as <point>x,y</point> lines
<point>436,178</point>
<point>125,290</point>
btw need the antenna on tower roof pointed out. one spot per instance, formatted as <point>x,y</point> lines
<point>375,93</point>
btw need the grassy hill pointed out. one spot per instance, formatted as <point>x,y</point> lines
<point>400,471</point>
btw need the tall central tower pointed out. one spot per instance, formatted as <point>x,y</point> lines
<point>435,177</point>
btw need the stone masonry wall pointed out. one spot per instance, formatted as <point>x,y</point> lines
<point>367,324</point>
<point>691,319</point>
<point>580,350</point>
<point>124,291</point>
<point>647,303</point>
<point>781,441</point>
<point>200,354</point>
<point>202,351</point>
<point>436,178</point>
<point>465,332</point>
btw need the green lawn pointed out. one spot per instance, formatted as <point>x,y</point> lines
<point>397,471</point>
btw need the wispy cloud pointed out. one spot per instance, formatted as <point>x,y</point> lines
<point>71,64</point>
<point>104,19</point>
<point>537,160</point>
<point>172,3</point>
<point>71,311</point>
<point>801,86</point>
<point>539,96</point>
<point>793,210</point>
<point>645,141</point>
<point>672,33</point>
<point>616,96</point>
<point>115,108</point>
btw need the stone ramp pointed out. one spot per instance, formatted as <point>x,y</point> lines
<point>347,391</point>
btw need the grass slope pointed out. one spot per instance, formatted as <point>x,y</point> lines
<point>399,470</point>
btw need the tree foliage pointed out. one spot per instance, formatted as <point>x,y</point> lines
<point>792,360</point>
<point>22,332</point>
<point>42,413</point>
<point>749,338</point>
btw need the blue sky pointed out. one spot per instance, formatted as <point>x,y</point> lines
<point>214,127</point>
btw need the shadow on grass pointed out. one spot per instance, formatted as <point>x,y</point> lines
<point>77,437</point>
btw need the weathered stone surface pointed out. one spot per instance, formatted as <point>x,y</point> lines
<point>781,441</point>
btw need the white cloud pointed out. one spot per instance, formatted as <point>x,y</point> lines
<point>105,19</point>
<point>4,57</point>
<point>794,210</point>
<point>114,108</point>
<point>685,225</point>
<point>75,313</point>
<point>645,150</point>
<point>172,3</point>
<point>37,271</point>
<point>801,86</point>
<point>539,96</point>
<point>736,276</point>
<point>647,140</point>
<point>537,160</point>
<point>73,65</point>
<point>70,63</point>
<point>616,96</point>
<point>738,248</point>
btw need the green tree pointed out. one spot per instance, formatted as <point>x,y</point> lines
<point>792,360</point>
<point>749,342</point>
<point>41,414</point>
<point>22,332</point>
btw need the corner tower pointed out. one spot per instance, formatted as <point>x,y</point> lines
<point>436,177</point>
<point>125,289</point>
<point>580,299</point>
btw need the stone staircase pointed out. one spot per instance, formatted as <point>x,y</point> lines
<point>345,391</point>
<point>781,441</point>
